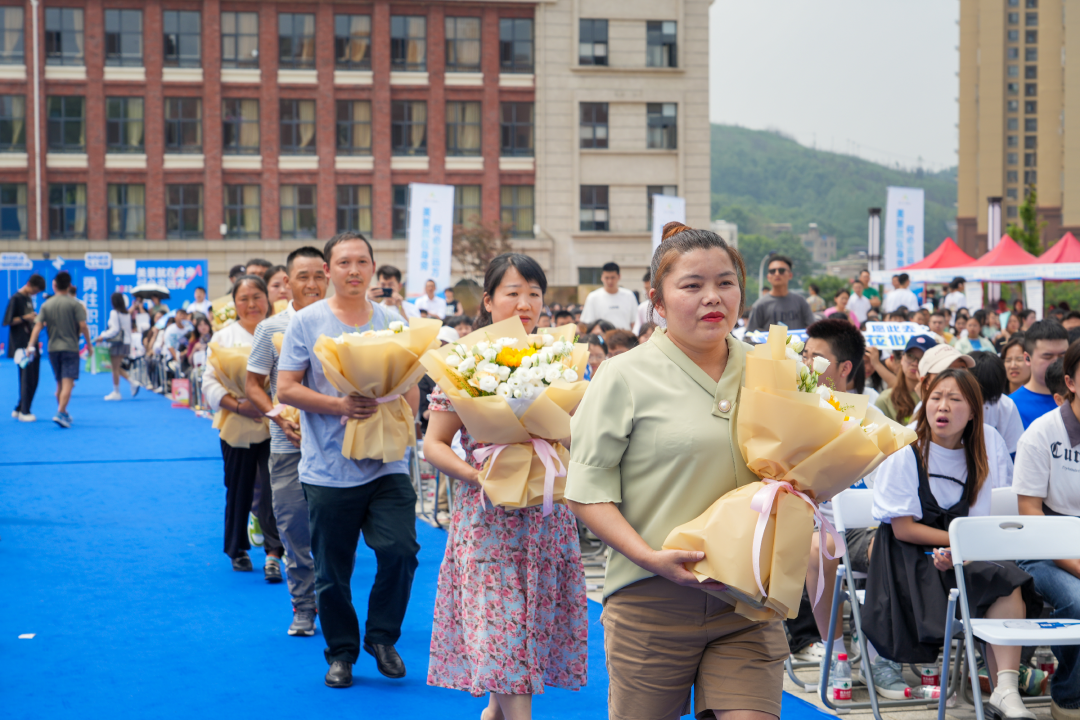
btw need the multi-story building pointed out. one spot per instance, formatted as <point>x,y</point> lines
<point>228,129</point>
<point>1019,114</point>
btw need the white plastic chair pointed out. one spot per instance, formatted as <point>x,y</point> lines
<point>1003,501</point>
<point>1018,537</point>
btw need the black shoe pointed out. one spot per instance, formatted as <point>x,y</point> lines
<point>339,675</point>
<point>242,564</point>
<point>272,570</point>
<point>387,659</point>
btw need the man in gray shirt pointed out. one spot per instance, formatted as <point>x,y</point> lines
<point>780,307</point>
<point>65,317</point>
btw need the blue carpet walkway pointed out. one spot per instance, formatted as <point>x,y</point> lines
<point>110,544</point>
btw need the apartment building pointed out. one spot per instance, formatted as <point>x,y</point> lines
<point>1019,114</point>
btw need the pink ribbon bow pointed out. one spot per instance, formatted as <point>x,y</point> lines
<point>276,410</point>
<point>762,503</point>
<point>548,457</point>
<point>381,401</point>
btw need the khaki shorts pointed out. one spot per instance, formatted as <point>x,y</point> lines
<point>661,639</point>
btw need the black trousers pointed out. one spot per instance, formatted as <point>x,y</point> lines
<point>385,510</point>
<point>28,382</point>
<point>243,467</point>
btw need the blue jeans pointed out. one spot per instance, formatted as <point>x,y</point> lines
<point>1062,590</point>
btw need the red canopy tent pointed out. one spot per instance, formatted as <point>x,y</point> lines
<point>1065,250</point>
<point>1007,252</point>
<point>947,255</point>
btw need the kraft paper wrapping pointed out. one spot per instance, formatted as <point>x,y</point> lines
<point>516,479</point>
<point>288,412</point>
<point>230,367</point>
<point>785,435</point>
<point>279,306</point>
<point>379,367</point>
<point>220,310</point>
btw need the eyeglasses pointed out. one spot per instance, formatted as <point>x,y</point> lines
<point>777,271</point>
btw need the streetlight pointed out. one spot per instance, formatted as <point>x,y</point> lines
<point>761,273</point>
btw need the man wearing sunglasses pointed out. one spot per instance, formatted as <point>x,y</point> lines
<point>780,307</point>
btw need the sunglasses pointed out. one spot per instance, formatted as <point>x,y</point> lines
<point>777,271</point>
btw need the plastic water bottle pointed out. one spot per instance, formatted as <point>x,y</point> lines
<point>923,692</point>
<point>929,674</point>
<point>1044,659</point>
<point>841,679</point>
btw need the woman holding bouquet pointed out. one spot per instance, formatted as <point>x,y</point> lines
<point>511,614</point>
<point>654,446</point>
<point>244,465</point>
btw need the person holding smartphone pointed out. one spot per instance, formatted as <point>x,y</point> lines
<point>388,292</point>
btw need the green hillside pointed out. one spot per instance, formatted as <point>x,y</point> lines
<point>761,177</point>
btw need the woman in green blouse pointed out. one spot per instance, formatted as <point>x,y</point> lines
<point>654,446</point>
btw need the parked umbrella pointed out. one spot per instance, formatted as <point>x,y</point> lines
<point>147,290</point>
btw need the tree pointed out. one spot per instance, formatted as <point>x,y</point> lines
<point>754,247</point>
<point>827,285</point>
<point>1029,233</point>
<point>476,244</point>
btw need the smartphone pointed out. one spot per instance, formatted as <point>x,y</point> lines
<point>387,292</point>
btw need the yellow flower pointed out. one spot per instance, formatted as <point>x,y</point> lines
<point>511,357</point>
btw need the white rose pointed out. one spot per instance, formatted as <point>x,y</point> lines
<point>536,374</point>
<point>548,339</point>
<point>796,345</point>
<point>396,326</point>
<point>554,372</point>
<point>453,360</point>
<point>503,391</point>
<point>570,375</point>
<point>804,372</point>
<point>504,372</point>
<point>820,365</point>
<point>466,365</point>
<point>527,361</point>
<point>489,383</point>
<point>481,347</point>
<point>490,354</point>
<point>824,392</point>
<point>514,382</point>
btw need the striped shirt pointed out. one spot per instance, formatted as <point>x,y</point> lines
<point>264,361</point>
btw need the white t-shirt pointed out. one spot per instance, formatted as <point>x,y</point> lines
<point>860,306</point>
<point>954,301</point>
<point>436,306</point>
<point>896,485</point>
<point>1004,416</point>
<point>1048,462</point>
<point>408,307</point>
<point>901,297</point>
<point>618,308</point>
<point>205,307</point>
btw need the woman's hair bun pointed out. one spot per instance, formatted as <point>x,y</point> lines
<point>673,228</point>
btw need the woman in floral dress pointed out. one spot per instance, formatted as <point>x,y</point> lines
<point>511,614</point>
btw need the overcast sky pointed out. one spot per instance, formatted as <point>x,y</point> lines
<point>874,78</point>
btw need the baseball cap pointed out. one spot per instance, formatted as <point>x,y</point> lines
<point>940,358</point>
<point>448,334</point>
<point>920,342</point>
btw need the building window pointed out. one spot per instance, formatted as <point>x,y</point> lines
<point>592,42</point>
<point>1031,124</point>
<point>64,36</point>
<point>67,123</point>
<point>1031,72</point>
<point>123,38</point>
<point>127,212</point>
<point>239,40</point>
<point>594,125</point>
<point>183,38</point>
<point>463,44</point>
<point>11,42</point>
<point>1031,89</point>
<point>1011,193</point>
<point>1031,54</point>
<point>462,128</point>
<point>669,190</point>
<point>183,125</point>
<point>1031,37</point>
<point>1031,4</point>
<point>352,41</point>
<point>1012,105</point>
<point>467,204</point>
<point>1031,19</point>
<point>1014,18</point>
<point>1031,142</point>
<point>353,127</point>
<point>516,45</point>
<point>13,211</point>
<point>1013,123</point>
<point>240,126</point>
<point>399,217</point>
<point>1011,158</point>
<point>1011,141</point>
<point>408,42</point>
<point>184,211</point>
<point>298,211</point>
<point>1031,177</point>
<point>662,121</point>
<point>1014,36</point>
<point>517,129</point>
<point>124,125</point>
<point>1031,107</point>
<point>1029,160</point>
<point>1012,88</point>
<point>242,211</point>
<point>67,210</point>
<point>661,49</point>
<point>594,208</point>
<point>408,128</point>
<point>1010,176</point>
<point>1012,53</point>
<point>516,209</point>
<point>354,208</point>
<point>1013,71</point>
<point>296,40</point>
<point>12,123</point>
<point>298,127</point>
<point>1010,211</point>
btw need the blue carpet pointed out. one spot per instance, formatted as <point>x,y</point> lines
<point>110,540</point>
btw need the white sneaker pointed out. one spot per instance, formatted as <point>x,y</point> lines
<point>27,417</point>
<point>811,653</point>
<point>1007,705</point>
<point>15,414</point>
<point>135,385</point>
<point>114,395</point>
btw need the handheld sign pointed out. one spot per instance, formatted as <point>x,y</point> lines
<point>892,335</point>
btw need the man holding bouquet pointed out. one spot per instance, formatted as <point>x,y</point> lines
<point>347,496</point>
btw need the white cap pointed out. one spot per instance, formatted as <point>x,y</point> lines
<point>940,358</point>
<point>448,334</point>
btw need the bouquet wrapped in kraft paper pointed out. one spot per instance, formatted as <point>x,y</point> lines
<point>382,365</point>
<point>230,367</point>
<point>222,312</point>
<point>285,412</point>
<point>515,392</point>
<point>806,446</point>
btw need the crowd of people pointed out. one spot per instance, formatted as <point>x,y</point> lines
<point>993,395</point>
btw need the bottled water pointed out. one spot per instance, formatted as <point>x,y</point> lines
<point>841,680</point>
<point>923,692</point>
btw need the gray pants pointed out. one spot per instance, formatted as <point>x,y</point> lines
<point>291,512</point>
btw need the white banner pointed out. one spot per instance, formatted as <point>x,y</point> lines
<point>892,336</point>
<point>1033,296</point>
<point>903,227</point>
<point>15,261</point>
<point>665,209</point>
<point>973,295</point>
<point>431,235</point>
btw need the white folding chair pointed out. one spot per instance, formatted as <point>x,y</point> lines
<point>1003,501</point>
<point>1018,537</point>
